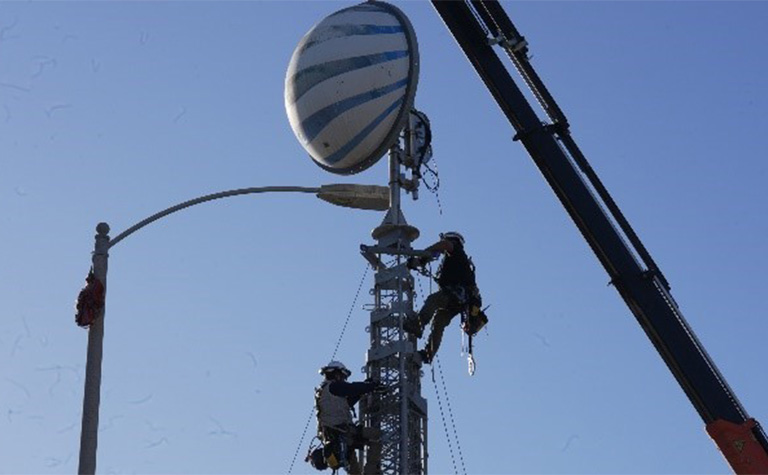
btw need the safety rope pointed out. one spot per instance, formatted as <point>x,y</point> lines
<point>301,441</point>
<point>427,272</point>
<point>442,416</point>
<point>333,356</point>
<point>435,187</point>
<point>450,414</point>
<point>436,362</point>
<point>351,309</point>
<point>439,400</point>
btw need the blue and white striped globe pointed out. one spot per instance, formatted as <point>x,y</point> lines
<point>350,85</point>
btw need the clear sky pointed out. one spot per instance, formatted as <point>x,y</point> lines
<point>219,317</point>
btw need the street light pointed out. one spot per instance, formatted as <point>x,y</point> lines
<point>372,197</point>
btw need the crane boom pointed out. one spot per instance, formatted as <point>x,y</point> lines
<point>477,26</point>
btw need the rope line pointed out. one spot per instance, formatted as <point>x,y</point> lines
<point>453,422</point>
<point>433,188</point>
<point>442,417</point>
<point>351,309</point>
<point>449,409</point>
<point>335,350</point>
<point>301,441</point>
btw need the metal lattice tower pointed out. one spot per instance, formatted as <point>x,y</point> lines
<point>401,412</point>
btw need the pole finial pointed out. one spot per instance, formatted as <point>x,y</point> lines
<point>102,228</point>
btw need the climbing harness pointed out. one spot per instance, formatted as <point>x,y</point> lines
<point>334,448</point>
<point>473,318</point>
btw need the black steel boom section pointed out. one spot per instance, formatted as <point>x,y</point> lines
<point>479,25</point>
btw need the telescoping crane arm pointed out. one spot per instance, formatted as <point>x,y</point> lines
<point>477,26</point>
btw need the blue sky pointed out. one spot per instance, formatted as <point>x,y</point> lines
<point>218,317</point>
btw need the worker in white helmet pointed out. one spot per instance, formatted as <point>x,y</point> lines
<point>335,400</point>
<point>457,292</point>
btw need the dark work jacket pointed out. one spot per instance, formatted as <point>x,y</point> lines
<point>456,270</point>
<point>352,391</point>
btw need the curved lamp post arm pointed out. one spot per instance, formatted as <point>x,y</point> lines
<point>370,197</point>
<point>211,197</point>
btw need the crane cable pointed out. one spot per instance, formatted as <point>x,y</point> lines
<point>335,350</point>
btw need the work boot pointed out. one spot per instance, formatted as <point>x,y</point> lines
<point>412,326</point>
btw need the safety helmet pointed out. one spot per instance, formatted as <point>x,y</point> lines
<point>335,366</point>
<point>453,235</point>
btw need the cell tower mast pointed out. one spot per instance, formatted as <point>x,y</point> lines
<point>349,95</point>
<point>401,412</point>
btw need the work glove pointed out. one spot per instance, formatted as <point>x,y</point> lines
<point>378,386</point>
<point>475,299</point>
<point>416,262</point>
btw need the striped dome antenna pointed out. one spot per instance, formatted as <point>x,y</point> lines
<point>350,85</point>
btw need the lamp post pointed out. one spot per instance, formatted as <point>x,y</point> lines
<point>370,197</point>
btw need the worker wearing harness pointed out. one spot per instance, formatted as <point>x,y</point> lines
<point>458,291</point>
<point>335,399</point>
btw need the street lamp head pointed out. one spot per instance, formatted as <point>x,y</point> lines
<point>372,197</point>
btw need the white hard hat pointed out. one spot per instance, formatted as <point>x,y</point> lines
<point>335,366</point>
<point>453,235</point>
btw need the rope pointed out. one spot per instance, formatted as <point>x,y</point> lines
<point>436,362</point>
<point>335,350</point>
<point>349,314</point>
<point>450,413</point>
<point>433,188</point>
<point>301,441</point>
<point>442,417</point>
